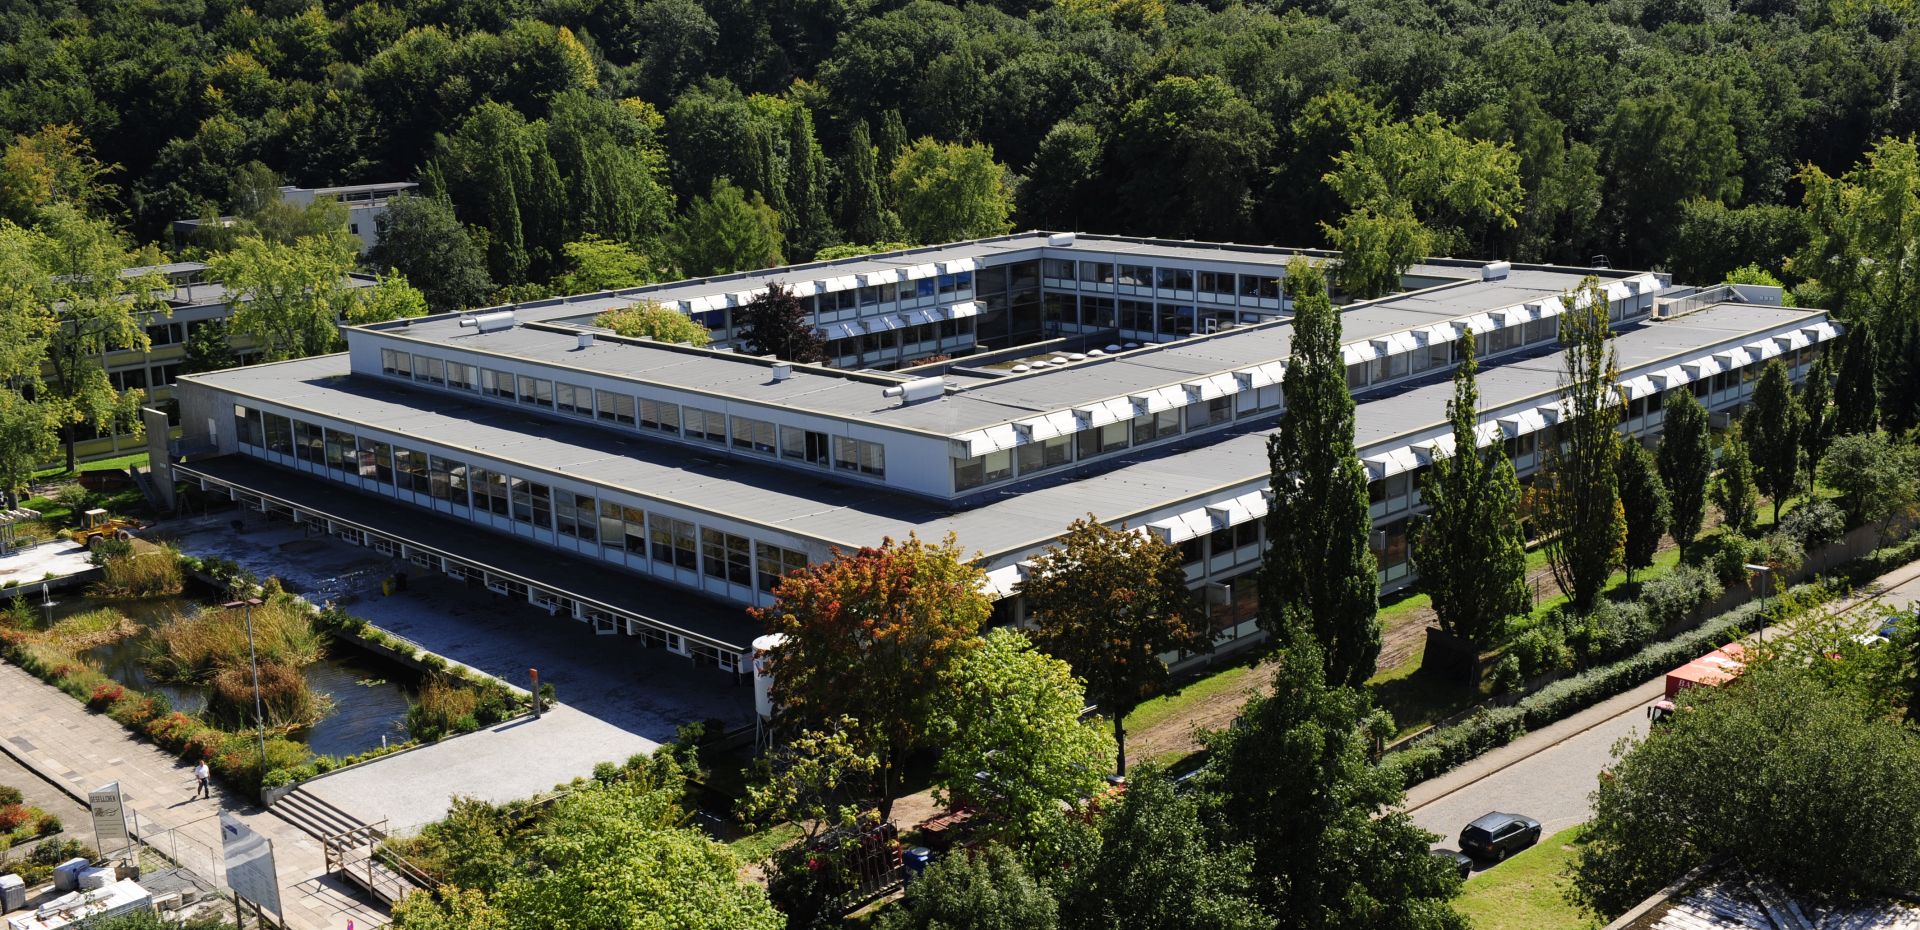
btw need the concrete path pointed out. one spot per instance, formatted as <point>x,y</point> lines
<point>515,760</point>
<point>77,750</point>
<point>30,566</point>
<point>1550,774</point>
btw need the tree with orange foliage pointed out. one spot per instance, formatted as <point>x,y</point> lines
<point>871,635</point>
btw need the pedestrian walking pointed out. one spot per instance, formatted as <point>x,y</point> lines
<point>203,776</point>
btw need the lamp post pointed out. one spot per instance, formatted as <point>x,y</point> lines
<point>1766,581</point>
<point>253,660</point>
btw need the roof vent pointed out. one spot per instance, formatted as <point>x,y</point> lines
<point>917,390</point>
<point>1495,271</point>
<point>1060,239</point>
<point>489,322</point>
<point>586,340</point>
<point>782,371</point>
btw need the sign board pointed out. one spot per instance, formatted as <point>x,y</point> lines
<point>109,818</point>
<point>249,856</point>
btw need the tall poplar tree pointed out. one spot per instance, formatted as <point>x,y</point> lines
<point>1643,497</point>
<point>1773,424</point>
<point>1686,465</point>
<point>1579,488</point>
<point>890,142</point>
<point>809,227</point>
<point>1468,546</point>
<point>864,211</point>
<point>1734,491</point>
<point>1320,572</point>
<point>1856,398</point>
<point>1816,399</point>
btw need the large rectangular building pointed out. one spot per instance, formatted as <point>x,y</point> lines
<point>657,490</point>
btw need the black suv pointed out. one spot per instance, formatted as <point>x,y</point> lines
<point>1496,836</point>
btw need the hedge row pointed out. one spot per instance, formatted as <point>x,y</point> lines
<point>1490,728</point>
<point>1447,747</point>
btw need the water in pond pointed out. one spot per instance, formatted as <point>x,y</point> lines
<point>370,695</point>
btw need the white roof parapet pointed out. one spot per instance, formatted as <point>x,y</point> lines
<point>1354,353</point>
<point>804,288</point>
<point>1211,386</point>
<point>1671,377</point>
<point>1438,333</point>
<point>1480,323</point>
<point>1764,349</point>
<point>964,308</point>
<point>1488,433</point>
<point>1618,290</point>
<point>1636,388</point>
<point>916,272</point>
<point>1261,376</point>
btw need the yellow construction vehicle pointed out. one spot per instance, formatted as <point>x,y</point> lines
<point>101,525</point>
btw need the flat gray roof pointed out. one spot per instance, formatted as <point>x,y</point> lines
<point>815,506</point>
<point>982,402</point>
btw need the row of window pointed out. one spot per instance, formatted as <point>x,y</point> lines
<point>807,447</point>
<point>1034,458</point>
<point>471,490</point>
<point>1249,287</point>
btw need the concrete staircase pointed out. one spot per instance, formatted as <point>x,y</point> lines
<point>314,816</point>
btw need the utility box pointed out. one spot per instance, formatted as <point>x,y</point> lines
<point>13,893</point>
<point>66,875</point>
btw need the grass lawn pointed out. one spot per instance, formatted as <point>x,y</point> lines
<point>755,847</point>
<point>1527,892</point>
<point>1228,682</point>
<point>116,463</point>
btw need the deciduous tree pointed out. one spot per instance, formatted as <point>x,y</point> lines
<point>1158,869</point>
<point>1330,846</point>
<point>422,239</point>
<point>1772,430</point>
<point>53,165</point>
<point>779,324</point>
<point>648,320</point>
<point>1469,547</point>
<point>948,192</point>
<point>390,298</point>
<point>596,264</point>
<point>1686,465</point>
<point>1011,739</point>
<point>1111,603</point>
<point>1644,499</point>
<point>871,635</point>
<point>1579,489</point>
<point>209,348</point>
<point>1878,477</point>
<point>1188,154</point>
<point>987,889</point>
<point>1771,771</point>
<point>1409,185</point>
<point>726,231</point>
<point>1320,572</point>
<point>291,297</point>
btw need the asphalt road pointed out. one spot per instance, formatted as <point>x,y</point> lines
<point>1550,774</point>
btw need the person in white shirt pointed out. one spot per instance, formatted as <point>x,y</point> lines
<point>204,777</point>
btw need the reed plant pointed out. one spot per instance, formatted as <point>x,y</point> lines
<point>84,631</point>
<point>444,708</point>
<point>196,647</point>
<point>285,698</point>
<point>155,573</point>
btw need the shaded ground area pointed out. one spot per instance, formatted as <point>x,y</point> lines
<point>646,692</point>
<point>38,792</point>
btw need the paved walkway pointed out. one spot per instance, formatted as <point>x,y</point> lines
<point>56,559</point>
<point>1550,774</point>
<point>78,750</point>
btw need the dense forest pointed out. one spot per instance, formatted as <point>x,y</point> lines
<point>1672,133</point>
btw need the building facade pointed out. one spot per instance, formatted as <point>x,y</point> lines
<point>365,204</point>
<point>657,490</point>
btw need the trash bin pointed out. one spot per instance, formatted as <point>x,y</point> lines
<point>916,861</point>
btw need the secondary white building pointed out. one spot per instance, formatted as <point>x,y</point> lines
<point>657,489</point>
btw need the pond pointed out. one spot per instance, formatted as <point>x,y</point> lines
<point>370,694</point>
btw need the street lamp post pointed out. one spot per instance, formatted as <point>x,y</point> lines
<point>1766,581</point>
<point>253,659</point>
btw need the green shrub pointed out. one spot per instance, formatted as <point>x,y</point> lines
<point>1444,748</point>
<point>152,574</point>
<point>1726,555</point>
<point>10,795</point>
<point>1814,524</point>
<point>443,709</point>
<point>1672,598</point>
<point>1540,650</point>
<point>284,696</point>
<point>107,550</point>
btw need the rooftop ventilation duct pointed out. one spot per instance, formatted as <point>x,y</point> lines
<point>489,322</point>
<point>586,340</point>
<point>917,390</point>
<point>1060,239</point>
<point>782,371</point>
<point>1495,271</point>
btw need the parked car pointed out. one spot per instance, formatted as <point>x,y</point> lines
<point>1457,859</point>
<point>1496,835</point>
